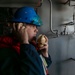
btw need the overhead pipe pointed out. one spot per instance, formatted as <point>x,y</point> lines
<point>62,1</point>
<point>39,4</point>
<point>51,29</point>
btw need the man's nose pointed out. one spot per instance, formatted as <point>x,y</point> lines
<point>36,29</point>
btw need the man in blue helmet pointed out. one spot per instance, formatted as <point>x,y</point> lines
<point>18,56</point>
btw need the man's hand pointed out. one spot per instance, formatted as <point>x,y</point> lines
<point>21,32</point>
<point>44,49</point>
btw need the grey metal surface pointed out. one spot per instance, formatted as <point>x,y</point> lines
<point>17,3</point>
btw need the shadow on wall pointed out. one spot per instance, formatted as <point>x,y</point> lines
<point>5,16</point>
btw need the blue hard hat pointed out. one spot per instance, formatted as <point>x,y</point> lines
<point>27,15</point>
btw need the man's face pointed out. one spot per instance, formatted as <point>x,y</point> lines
<point>32,31</point>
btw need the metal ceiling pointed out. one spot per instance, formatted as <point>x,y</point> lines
<point>17,3</point>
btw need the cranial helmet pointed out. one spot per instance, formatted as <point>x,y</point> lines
<point>27,15</point>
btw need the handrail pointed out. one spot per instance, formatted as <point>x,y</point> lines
<point>70,59</point>
<point>67,60</point>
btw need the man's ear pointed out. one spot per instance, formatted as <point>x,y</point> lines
<point>19,25</point>
<point>24,24</point>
